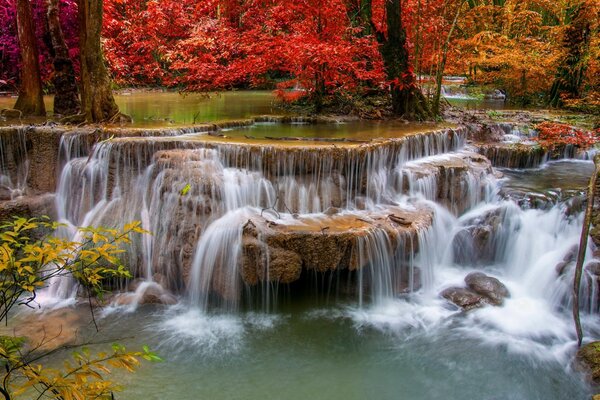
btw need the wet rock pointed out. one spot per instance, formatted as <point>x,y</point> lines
<point>475,244</point>
<point>332,211</point>
<point>511,155</point>
<point>571,255</point>
<point>561,268</point>
<point>587,359</point>
<point>29,207</point>
<point>146,293</point>
<point>280,252</point>
<point>43,148</point>
<point>456,179</point>
<point>409,282</point>
<point>488,287</point>
<point>464,298</point>
<point>593,268</point>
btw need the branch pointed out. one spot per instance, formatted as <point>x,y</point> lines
<point>585,230</point>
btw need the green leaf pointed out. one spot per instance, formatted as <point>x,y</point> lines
<point>186,189</point>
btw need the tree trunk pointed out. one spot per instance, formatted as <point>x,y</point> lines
<point>66,98</point>
<point>98,103</point>
<point>442,65</point>
<point>30,100</point>
<point>407,99</point>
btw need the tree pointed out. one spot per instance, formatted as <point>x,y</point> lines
<point>407,99</point>
<point>576,41</point>
<point>31,97</point>
<point>66,97</point>
<point>443,57</point>
<point>97,101</point>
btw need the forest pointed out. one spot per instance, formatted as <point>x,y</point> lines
<point>538,52</point>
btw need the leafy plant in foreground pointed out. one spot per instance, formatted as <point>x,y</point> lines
<point>26,266</point>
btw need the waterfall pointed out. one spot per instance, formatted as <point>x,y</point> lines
<point>416,214</point>
<point>14,163</point>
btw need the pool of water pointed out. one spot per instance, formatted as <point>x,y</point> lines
<point>334,352</point>
<point>351,130</point>
<point>172,108</point>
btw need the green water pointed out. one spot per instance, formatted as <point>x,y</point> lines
<point>322,353</point>
<point>351,130</point>
<point>171,108</point>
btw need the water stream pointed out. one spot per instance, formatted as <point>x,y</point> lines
<point>313,269</point>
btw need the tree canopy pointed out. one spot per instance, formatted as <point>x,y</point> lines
<point>534,50</point>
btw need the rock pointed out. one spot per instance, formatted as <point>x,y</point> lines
<point>571,255</point>
<point>29,207</point>
<point>464,298</point>
<point>561,268</point>
<point>587,359</point>
<point>332,211</point>
<point>593,267</point>
<point>487,286</point>
<point>281,252</point>
<point>406,284</point>
<point>475,244</point>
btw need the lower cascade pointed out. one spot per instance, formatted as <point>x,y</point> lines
<point>418,236</point>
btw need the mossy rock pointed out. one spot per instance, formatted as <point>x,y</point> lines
<point>589,357</point>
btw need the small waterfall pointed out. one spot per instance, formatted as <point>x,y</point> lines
<point>14,163</point>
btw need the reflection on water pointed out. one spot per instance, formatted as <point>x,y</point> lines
<point>171,108</point>
<point>354,130</point>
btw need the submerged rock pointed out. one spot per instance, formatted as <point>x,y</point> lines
<point>145,293</point>
<point>464,298</point>
<point>487,286</point>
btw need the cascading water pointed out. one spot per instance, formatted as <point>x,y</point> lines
<point>273,247</point>
<point>14,163</point>
<point>199,199</point>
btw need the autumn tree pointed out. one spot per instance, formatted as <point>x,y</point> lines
<point>577,36</point>
<point>407,99</point>
<point>66,97</point>
<point>30,100</point>
<point>97,101</point>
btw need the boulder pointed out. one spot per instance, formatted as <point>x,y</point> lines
<point>278,252</point>
<point>475,244</point>
<point>464,298</point>
<point>487,286</point>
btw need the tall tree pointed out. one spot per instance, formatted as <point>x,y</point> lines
<point>66,98</point>
<point>98,103</point>
<point>30,100</point>
<point>576,41</point>
<point>407,99</point>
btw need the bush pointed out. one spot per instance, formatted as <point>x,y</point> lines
<point>26,266</point>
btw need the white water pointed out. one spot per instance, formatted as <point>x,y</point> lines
<point>195,247</point>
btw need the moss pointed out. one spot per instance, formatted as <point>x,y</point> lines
<point>589,356</point>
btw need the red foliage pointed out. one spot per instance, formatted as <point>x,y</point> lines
<point>553,134</point>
